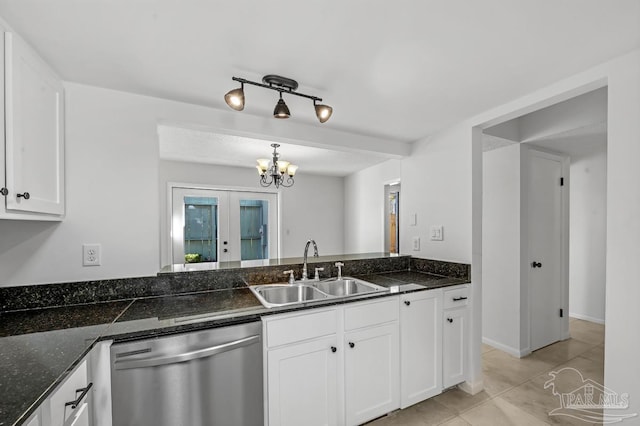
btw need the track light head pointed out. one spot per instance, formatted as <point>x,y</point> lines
<point>235,98</point>
<point>281,110</point>
<point>323,112</point>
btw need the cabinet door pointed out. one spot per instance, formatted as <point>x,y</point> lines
<point>455,346</point>
<point>372,372</point>
<point>100,375</point>
<point>34,131</point>
<point>420,346</point>
<point>302,383</point>
<point>81,416</point>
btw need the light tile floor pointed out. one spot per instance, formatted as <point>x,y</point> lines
<point>514,391</point>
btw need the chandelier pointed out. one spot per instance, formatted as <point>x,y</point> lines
<point>278,172</point>
<point>235,98</point>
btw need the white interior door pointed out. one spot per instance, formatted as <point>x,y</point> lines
<point>546,241</point>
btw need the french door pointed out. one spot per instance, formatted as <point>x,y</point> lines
<point>220,226</point>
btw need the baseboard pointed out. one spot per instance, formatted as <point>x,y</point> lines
<point>586,318</point>
<point>518,353</point>
<point>472,388</point>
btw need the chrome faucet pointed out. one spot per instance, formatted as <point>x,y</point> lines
<point>306,250</point>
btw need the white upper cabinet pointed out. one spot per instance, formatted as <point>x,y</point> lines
<point>34,135</point>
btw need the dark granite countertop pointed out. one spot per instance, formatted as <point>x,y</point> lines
<point>39,347</point>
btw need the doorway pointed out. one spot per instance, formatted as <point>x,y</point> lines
<point>210,225</point>
<point>392,217</point>
<point>520,311</point>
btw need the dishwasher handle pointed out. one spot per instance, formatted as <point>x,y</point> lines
<point>185,356</point>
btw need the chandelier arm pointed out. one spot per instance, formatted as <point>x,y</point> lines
<point>287,182</point>
<point>277,89</point>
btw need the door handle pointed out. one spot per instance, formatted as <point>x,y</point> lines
<point>186,356</point>
<point>84,392</point>
<point>536,264</point>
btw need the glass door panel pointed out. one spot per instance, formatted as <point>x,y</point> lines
<point>253,225</point>
<point>199,231</point>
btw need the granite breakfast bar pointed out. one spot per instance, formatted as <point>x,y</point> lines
<point>43,338</point>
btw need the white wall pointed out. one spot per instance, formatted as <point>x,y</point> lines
<point>436,188</point>
<point>364,207</point>
<point>311,208</point>
<point>587,264</point>
<point>113,195</point>
<point>501,222</point>
<point>620,75</point>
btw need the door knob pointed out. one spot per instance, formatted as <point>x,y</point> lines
<point>407,302</point>
<point>333,349</point>
<point>26,195</point>
<point>351,344</point>
<point>450,319</point>
<point>536,264</point>
<point>225,250</point>
<point>4,191</point>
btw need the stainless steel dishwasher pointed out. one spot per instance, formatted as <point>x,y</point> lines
<point>203,378</point>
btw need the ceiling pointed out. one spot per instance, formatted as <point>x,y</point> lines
<point>397,71</point>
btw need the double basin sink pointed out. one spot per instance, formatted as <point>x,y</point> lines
<point>274,295</point>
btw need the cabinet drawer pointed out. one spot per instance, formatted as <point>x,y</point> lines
<point>299,327</point>
<point>67,392</point>
<point>366,314</point>
<point>456,297</point>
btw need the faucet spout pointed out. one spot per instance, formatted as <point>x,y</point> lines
<point>305,276</point>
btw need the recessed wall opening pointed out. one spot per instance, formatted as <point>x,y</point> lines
<point>575,129</point>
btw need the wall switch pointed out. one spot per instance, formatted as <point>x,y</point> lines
<point>437,233</point>
<point>91,255</point>
<point>416,243</point>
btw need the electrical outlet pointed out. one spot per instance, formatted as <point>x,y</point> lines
<point>416,243</point>
<point>91,255</point>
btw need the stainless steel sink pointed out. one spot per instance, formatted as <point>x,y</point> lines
<point>346,287</point>
<point>273,295</point>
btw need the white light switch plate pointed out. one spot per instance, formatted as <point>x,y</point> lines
<point>437,233</point>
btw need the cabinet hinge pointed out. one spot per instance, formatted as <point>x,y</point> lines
<point>561,313</point>
<point>561,181</point>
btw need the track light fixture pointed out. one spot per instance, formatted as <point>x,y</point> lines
<point>235,98</point>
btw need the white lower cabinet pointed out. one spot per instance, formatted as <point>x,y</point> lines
<point>420,346</point>
<point>332,366</point>
<point>302,383</point>
<point>372,373</point>
<point>83,398</point>
<point>99,358</point>
<point>455,336</point>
